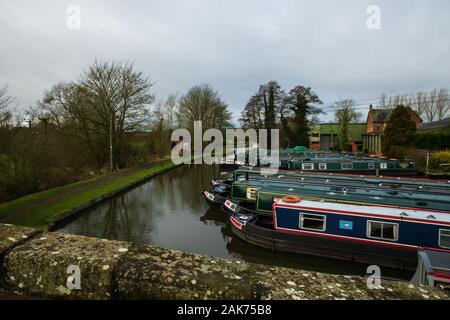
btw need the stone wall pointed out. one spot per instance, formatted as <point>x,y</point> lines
<point>42,264</point>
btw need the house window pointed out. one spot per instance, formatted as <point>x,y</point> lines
<point>308,166</point>
<point>322,166</point>
<point>347,166</point>
<point>315,222</point>
<point>383,165</point>
<point>371,166</point>
<point>382,230</point>
<point>444,238</point>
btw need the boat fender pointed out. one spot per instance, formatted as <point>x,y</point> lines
<point>291,199</point>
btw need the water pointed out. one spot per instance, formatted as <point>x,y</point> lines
<point>168,211</point>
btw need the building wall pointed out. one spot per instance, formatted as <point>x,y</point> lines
<point>372,144</point>
<point>325,136</point>
<point>372,138</point>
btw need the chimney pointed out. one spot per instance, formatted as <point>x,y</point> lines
<point>370,108</point>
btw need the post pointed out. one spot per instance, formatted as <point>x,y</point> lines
<point>111,153</point>
<point>428,162</point>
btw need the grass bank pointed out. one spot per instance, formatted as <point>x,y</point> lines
<point>41,209</point>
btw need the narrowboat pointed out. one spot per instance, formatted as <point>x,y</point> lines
<point>253,186</point>
<point>219,193</point>
<point>354,165</point>
<point>388,237</point>
<point>262,194</point>
<point>325,161</point>
<point>404,183</point>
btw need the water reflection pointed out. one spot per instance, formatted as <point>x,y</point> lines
<point>167,211</point>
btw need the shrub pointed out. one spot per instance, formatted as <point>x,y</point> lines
<point>433,140</point>
<point>438,159</point>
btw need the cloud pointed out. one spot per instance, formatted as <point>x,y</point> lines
<point>233,45</point>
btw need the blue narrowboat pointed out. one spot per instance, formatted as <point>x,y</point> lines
<point>386,236</point>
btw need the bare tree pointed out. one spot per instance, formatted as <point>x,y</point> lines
<point>6,101</point>
<point>253,116</point>
<point>430,110</point>
<point>382,102</point>
<point>120,100</point>
<point>171,110</point>
<point>203,103</point>
<point>430,107</point>
<point>110,101</point>
<point>419,104</point>
<point>68,110</point>
<point>442,104</point>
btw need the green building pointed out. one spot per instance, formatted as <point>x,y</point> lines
<point>324,136</point>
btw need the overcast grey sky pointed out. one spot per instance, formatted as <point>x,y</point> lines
<point>232,45</point>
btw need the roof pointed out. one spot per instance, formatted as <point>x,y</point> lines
<point>402,214</point>
<point>381,115</point>
<point>441,124</point>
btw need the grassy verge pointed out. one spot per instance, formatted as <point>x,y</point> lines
<point>16,204</point>
<point>42,215</point>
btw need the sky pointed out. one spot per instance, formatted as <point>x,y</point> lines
<point>340,48</point>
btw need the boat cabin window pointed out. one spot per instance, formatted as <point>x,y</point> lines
<point>444,238</point>
<point>346,165</point>
<point>251,193</point>
<point>382,230</point>
<point>383,165</point>
<point>371,165</point>
<point>322,166</point>
<point>307,166</point>
<point>314,222</point>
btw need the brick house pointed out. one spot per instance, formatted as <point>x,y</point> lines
<point>375,125</point>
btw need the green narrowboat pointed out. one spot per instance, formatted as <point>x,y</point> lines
<point>263,193</point>
<point>400,183</point>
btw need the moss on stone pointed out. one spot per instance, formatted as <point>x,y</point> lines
<point>155,273</point>
<point>40,266</point>
<point>11,235</point>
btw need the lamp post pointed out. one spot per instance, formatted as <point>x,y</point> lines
<point>111,150</point>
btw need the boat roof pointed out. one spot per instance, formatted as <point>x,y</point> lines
<point>280,174</point>
<point>353,183</point>
<point>371,197</point>
<point>382,212</point>
<point>270,185</point>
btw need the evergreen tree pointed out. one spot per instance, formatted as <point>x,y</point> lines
<point>399,134</point>
<point>299,108</point>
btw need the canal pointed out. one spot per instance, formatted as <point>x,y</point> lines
<point>167,211</point>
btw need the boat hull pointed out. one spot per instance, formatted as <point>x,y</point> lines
<point>215,199</point>
<point>403,259</point>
